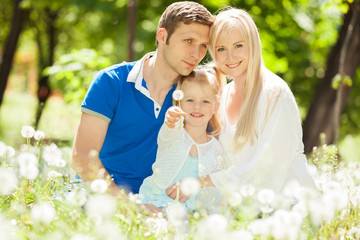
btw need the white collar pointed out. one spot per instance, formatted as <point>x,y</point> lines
<point>136,73</point>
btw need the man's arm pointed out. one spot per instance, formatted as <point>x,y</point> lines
<point>90,136</point>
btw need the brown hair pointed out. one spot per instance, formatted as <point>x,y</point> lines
<point>183,12</point>
<point>206,76</point>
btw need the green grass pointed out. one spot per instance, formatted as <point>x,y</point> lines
<point>59,120</point>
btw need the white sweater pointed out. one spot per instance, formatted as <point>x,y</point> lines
<point>276,157</point>
<point>174,146</point>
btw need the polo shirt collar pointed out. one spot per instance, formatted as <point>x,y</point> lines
<point>136,73</point>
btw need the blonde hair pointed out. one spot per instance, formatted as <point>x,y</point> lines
<point>206,76</point>
<point>225,23</point>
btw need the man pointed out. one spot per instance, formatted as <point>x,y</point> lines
<point>126,103</point>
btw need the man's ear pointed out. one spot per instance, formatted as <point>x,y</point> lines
<point>161,35</point>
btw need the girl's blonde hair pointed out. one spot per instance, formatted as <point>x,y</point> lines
<point>225,23</point>
<point>206,76</point>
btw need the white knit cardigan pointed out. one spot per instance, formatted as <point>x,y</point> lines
<point>174,146</point>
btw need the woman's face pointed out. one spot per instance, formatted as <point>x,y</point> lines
<point>232,54</point>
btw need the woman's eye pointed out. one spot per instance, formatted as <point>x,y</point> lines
<point>238,45</point>
<point>220,49</point>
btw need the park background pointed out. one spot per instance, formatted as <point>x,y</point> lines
<point>50,51</point>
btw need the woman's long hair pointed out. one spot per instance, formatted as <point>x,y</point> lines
<point>225,23</point>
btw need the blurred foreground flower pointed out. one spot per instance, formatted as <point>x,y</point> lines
<point>27,131</point>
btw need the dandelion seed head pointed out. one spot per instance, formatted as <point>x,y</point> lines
<point>54,174</point>
<point>234,199</point>
<point>247,190</point>
<point>43,212</point>
<point>6,229</point>
<point>8,181</point>
<point>27,131</point>
<point>239,234</point>
<point>190,186</point>
<point>178,95</point>
<point>176,214</point>
<point>266,196</point>
<point>39,135</point>
<point>212,227</point>
<point>51,154</point>
<point>26,159</point>
<point>81,237</point>
<point>101,205</point>
<point>99,185</point>
<point>29,172</point>
<point>10,151</point>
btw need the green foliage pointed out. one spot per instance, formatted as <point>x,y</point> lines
<point>74,72</point>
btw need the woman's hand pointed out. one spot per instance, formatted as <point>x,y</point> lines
<point>173,115</point>
<point>174,192</point>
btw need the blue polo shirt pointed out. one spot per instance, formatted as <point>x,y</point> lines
<point>119,95</point>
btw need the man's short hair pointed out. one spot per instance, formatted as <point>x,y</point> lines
<point>183,12</point>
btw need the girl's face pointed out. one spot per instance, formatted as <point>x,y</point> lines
<point>199,103</point>
<point>232,54</point>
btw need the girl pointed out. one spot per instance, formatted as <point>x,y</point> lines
<point>262,135</point>
<point>186,149</point>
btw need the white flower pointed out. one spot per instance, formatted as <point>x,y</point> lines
<point>266,196</point>
<point>81,237</point>
<point>176,214</point>
<point>54,174</point>
<point>60,163</point>
<point>234,199</point>
<point>26,159</point>
<point>212,227</point>
<point>239,234</point>
<point>109,231</point>
<point>190,186</point>
<point>27,131</point>
<point>101,206</point>
<point>6,229</point>
<point>29,172</point>
<point>52,154</point>
<point>178,95</point>
<point>39,135</point>
<point>3,149</point>
<point>8,181</point>
<point>28,165</point>
<point>43,212</point>
<point>99,185</point>
<point>247,190</point>
<point>10,151</point>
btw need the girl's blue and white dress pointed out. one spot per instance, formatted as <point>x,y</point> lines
<point>174,163</point>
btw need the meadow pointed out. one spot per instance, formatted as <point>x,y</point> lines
<point>35,201</point>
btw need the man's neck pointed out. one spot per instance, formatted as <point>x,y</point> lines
<point>159,80</point>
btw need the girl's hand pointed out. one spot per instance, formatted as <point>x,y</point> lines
<point>173,115</point>
<point>174,190</point>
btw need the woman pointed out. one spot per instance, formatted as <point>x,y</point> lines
<point>262,134</point>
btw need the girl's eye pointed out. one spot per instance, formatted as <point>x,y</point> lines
<point>206,101</point>
<point>188,100</point>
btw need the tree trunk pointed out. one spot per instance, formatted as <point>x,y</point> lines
<point>322,116</point>
<point>131,19</point>
<point>10,46</point>
<point>44,87</point>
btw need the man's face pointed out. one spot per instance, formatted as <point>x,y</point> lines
<point>186,48</point>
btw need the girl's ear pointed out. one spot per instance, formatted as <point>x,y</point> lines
<point>161,35</point>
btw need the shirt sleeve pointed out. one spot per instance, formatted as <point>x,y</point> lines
<point>167,136</point>
<point>278,144</point>
<point>103,96</point>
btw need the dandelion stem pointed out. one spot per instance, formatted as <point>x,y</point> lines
<point>180,115</point>
<point>28,144</point>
